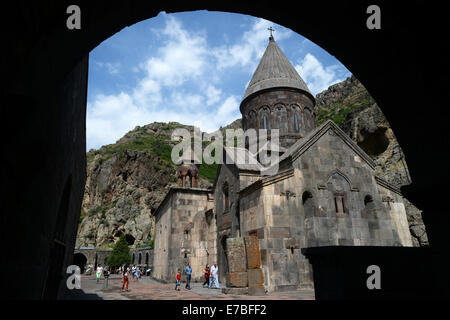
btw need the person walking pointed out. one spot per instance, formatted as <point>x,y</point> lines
<point>214,276</point>
<point>133,272</point>
<point>106,274</point>
<point>125,275</point>
<point>138,273</point>
<point>206,276</point>
<point>178,283</point>
<point>99,272</point>
<point>188,276</point>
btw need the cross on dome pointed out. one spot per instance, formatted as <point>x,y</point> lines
<point>271,30</point>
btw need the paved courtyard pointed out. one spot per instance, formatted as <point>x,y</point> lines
<point>149,289</point>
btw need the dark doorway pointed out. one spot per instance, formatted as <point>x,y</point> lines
<point>308,204</point>
<point>223,262</point>
<point>80,260</point>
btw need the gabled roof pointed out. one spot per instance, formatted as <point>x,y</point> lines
<point>380,181</point>
<point>275,71</point>
<point>298,148</point>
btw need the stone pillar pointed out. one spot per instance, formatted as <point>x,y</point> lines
<point>237,268</point>
<point>254,272</point>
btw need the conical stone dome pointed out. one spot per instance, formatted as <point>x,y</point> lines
<point>275,71</point>
<point>278,98</point>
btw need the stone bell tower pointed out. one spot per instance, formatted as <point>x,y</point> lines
<point>278,98</point>
<point>188,167</point>
<point>185,170</point>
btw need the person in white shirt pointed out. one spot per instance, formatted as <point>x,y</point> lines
<point>133,272</point>
<point>214,276</point>
<point>99,272</point>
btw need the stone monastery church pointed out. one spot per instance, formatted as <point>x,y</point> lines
<point>254,226</point>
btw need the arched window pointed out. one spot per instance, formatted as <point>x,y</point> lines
<point>308,204</point>
<point>339,203</point>
<point>226,199</point>
<point>308,119</point>
<point>339,186</point>
<point>369,206</point>
<point>140,258</point>
<point>296,122</point>
<point>265,122</point>
<point>132,260</point>
<point>146,258</point>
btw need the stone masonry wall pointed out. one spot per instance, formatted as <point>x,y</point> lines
<point>329,168</point>
<point>297,210</point>
<point>162,241</point>
<point>187,234</point>
<point>393,202</point>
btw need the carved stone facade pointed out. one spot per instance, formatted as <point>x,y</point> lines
<point>288,110</point>
<point>328,195</point>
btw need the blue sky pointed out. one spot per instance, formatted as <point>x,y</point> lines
<point>190,67</point>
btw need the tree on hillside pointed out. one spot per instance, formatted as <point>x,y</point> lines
<point>120,253</point>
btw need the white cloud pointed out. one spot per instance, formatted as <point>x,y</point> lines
<point>228,111</point>
<point>113,68</point>
<point>213,95</point>
<point>248,51</point>
<point>318,77</point>
<point>110,117</point>
<point>147,93</point>
<point>182,57</point>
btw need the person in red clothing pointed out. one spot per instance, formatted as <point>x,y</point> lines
<point>125,274</point>
<point>178,283</point>
<point>206,276</point>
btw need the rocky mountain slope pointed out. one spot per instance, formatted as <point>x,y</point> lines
<point>127,180</point>
<point>125,183</point>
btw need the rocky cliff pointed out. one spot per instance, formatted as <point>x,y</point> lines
<point>350,106</point>
<point>125,183</point>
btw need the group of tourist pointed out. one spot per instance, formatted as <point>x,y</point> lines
<point>210,274</point>
<point>136,274</point>
<point>102,271</point>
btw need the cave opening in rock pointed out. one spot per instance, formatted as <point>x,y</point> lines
<point>130,239</point>
<point>374,143</point>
